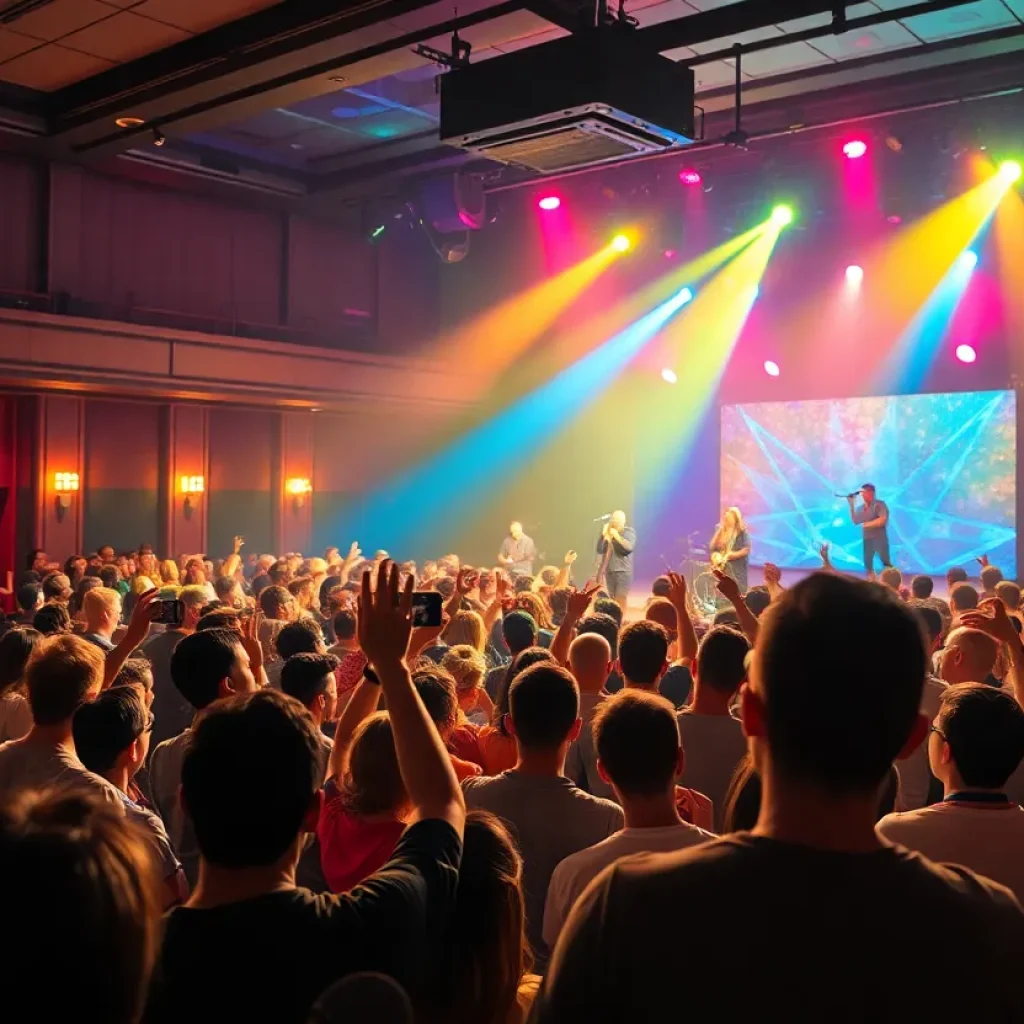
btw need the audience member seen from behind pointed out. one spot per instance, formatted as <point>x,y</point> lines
<point>52,619</point>
<point>519,631</point>
<point>102,609</point>
<point>833,698</point>
<point>643,659</point>
<point>75,868</point>
<point>962,598</point>
<point>639,755</point>
<point>485,960</point>
<point>975,744</point>
<point>112,739</point>
<point>921,587</point>
<point>550,815</point>
<point>968,656</point>
<point>62,672</point>
<point>590,662</point>
<point>16,646</point>
<point>246,899</point>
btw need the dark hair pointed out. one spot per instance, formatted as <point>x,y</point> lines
<point>636,736</point>
<point>519,630</point>
<point>69,565</point>
<point>374,784</point>
<point>437,690</point>
<point>831,650</point>
<point>268,739</point>
<point>522,661</point>
<point>68,856</point>
<point>105,727</point>
<point>220,618</point>
<point>59,676</point>
<point>52,618</point>
<point>52,589</point>
<point>85,584</point>
<point>135,672</point>
<point>661,587</point>
<point>721,659</point>
<point>757,599</point>
<point>558,600</point>
<point>921,587</point>
<point>742,798</point>
<point>602,625</point>
<point>984,728</point>
<point>522,584</point>
<point>991,576</point>
<point>606,606</point>
<point>643,651</point>
<point>725,617</point>
<point>278,571</point>
<point>223,586</point>
<point>955,575</point>
<point>110,576</point>
<point>16,647</point>
<point>345,624</point>
<point>273,600</point>
<point>300,637</point>
<point>27,596</point>
<point>963,597</point>
<point>930,619</point>
<point>200,661</point>
<point>304,675</point>
<point>484,953</point>
<point>30,558</point>
<point>544,702</point>
<point>1009,593</point>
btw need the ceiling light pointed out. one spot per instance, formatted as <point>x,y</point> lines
<point>669,376</point>
<point>690,176</point>
<point>549,203</point>
<point>966,353</point>
<point>854,274</point>
<point>782,215</point>
<point>128,122</point>
<point>620,243</point>
<point>1010,170</point>
<point>771,368</point>
<point>855,149</point>
<point>968,259</point>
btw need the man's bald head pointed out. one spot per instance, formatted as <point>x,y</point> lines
<point>968,656</point>
<point>590,658</point>
<point>663,612</point>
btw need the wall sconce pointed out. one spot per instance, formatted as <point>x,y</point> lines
<point>298,487</point>
<point>190,486</point>
<point>65,484</point>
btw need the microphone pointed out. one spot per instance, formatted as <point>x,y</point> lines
<point>852,494</point>
<point>603,519</point>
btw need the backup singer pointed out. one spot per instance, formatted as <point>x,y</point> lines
<point>615,546</point>
<point>730,547</point>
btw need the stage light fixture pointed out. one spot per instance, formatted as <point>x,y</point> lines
<point>669,376</point>
<point>685,296</point>
<point>377,231</point>
<point>690,176</point>
<point>670,254</point>
<point>854,274</point>
<point>158,137</point>
<point>548,203</point>
<point>621,243</point>
<point>782,215</point>
<point>855,149</point>
<point>771,368</point>
<point>966,353</point>
<point>968,259</point>
<point>1010,171</point>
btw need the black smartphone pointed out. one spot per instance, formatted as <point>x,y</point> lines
<point>426,608</point>
<point>171,612</point>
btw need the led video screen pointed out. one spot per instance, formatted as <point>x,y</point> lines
<point>945,465</point>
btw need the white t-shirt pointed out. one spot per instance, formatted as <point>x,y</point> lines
<point>914,772</point>
<point>25,764</point>
<point>714,745</point>
<point>986,838</point>
<point>578,870</point>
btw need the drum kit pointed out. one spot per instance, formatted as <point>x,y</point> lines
<point>695,565</point>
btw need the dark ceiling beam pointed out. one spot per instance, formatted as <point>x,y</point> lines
<point>570,15</point>
<point>283,30</point>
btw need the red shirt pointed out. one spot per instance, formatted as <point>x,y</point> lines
<point>350,671</point>
<point>352,848</point>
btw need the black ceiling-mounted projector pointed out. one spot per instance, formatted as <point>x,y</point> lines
<point>595,97</point>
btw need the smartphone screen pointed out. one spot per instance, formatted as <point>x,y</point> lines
<point>171,613</point>
<point>426,608</point>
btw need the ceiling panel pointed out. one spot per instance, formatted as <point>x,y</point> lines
<point>824,19</point>
<point>1017,7</point>
<point>866,42</point>
<point>660,10</point>
<point>755,36</point>
<point>11,44</point>
<point>56,19</point>
<point>197,16</point>
<point>50,67</point>
<point>784,59</point>
<point>958,21</point>
<point>124,37</point>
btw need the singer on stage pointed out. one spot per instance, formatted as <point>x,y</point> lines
<point>615,546</point>
<point>730,547</point>
<point>873,517</point>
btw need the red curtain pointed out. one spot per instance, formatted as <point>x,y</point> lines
<point>8,495</point>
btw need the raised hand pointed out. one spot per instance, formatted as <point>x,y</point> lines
<point>772,574</point>
<point>354,551</point>
<point>144,612</point>
<point>677,590</point>
<point>570,557</point>
<point>466,580</point>
<point>238,543</point>
<point>983,561</point>
<point>823,549</point>
<point>385,615</point>
<point>423,636</point>
<point>250,629</point>
<point>579,600</point>
<point>727,586</point>
<point>990,617</point>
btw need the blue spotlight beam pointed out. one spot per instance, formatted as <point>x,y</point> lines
<point>409,511</point>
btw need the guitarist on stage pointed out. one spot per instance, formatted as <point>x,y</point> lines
<point>730,547</point>
<point>615,546</point>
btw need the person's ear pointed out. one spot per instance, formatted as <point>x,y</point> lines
<point>225,688</point>
<point>313,812</point>
<point>575,730</point>
<point>320,703</point>
<point>752,712</point>
<point>603,773</point>
<point>509,724</point>
<point>917,736</point>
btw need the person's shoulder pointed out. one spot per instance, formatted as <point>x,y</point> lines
<point>899,823</point>
<point>484,783</point>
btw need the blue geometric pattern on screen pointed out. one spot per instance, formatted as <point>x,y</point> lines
<point>944,464</point>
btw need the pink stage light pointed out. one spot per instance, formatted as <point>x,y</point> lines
<point>966,353</point>
<point>771,368</point>
<point>690,176</point>
<point>549,203</point>
<point>670,254</point>
<point>855,149</point>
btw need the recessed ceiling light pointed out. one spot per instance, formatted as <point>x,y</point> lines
<point>128,122</point>
<point>340,79</point>
<point>297,145</point>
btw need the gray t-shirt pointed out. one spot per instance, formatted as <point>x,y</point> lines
<point>866,513</point>
<point>713,745</point>
<point>172,714</point>
<point>522,552</point>
<point>551,818</point>
<point>165,764</point>
<point>25,764</point>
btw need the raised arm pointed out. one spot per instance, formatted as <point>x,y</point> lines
<point>464,583</point>
<point>563,573</point>
<point>385,626</point>
<point>576,607</point>
<point>773,580</point>
<point>684,624</point>
<point>231,563</point>
<point>502,589</point>
<point>990,617</point>
<point>138,626</point>
<point>363,703</point>
<point>730,590</point>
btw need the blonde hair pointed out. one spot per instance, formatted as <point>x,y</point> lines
<point>62,671</point>
<point>467,666</point>
<point>169,571</point>
<point>466,628</point>
<point>740,526</point>
<point>99,600</point>
<point>140,584</point>
<point>193,594</point>
<point>373,781</point>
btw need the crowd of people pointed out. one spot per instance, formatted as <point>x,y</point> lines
<point>250,788</point>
